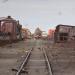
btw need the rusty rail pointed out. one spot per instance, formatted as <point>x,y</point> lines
<point>48,64</point>
<point>26,60</point>
<point>24,63</point>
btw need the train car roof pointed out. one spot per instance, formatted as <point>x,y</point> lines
<point>65,25</point>
<point>8,18</point>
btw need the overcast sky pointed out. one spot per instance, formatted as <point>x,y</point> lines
<point>45,14</point>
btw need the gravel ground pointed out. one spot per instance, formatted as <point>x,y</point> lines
<point>62,58</point>
<point>12,54</point>
<point>37,64</point>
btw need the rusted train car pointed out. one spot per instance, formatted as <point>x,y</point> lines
<point>64,33</point>
<point>10,29</point>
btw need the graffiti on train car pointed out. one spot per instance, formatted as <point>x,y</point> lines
<point>10,28</point>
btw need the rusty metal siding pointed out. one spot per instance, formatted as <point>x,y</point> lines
<point>65,29</point>
<point>14,35</point>
<point>0,26</point>
<point>7,27</point>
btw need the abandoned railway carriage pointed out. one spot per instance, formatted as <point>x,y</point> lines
<point>64,33</point>
<point>10,29</point>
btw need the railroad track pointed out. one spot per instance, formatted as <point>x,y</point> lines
<point>35,63</point>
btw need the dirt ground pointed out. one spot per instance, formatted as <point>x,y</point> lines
<point>11,55</point>
<point>62,58</point>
